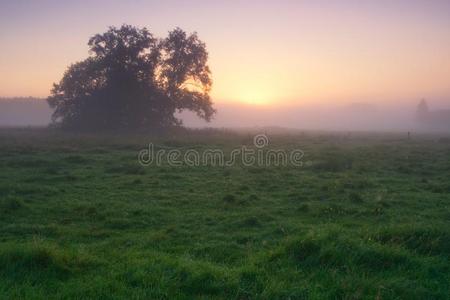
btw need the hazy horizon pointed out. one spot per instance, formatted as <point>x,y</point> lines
<point>356,116</point>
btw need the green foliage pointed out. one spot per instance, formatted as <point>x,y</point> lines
<point>80,218</point>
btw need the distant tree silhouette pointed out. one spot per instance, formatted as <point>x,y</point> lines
<point>422,112</point>
<point>133,80</point>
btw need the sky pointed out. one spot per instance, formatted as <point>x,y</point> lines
<point>262,53</point>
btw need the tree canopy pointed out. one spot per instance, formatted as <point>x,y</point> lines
<point>132,80</point>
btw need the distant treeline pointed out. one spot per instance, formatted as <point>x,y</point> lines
<point>7,99</point>
<point>24,111</point>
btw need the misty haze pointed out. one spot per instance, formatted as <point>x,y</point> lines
<point>351,117</point>
<point>193,149</point>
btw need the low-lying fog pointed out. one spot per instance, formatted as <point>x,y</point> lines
<point>354,116</point>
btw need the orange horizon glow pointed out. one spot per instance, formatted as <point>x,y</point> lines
<point>262,54</point>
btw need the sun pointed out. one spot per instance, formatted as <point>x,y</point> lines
<point>249,90</point>
<point>255,96</point>
<point>254,99</point>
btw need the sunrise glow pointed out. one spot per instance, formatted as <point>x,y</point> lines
<point>260,52</point>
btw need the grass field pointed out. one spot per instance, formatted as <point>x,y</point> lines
<point>366,216</point>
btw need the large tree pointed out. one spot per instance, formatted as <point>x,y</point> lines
<point>133,80</point>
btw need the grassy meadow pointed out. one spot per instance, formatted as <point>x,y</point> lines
<point>366,216</point>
